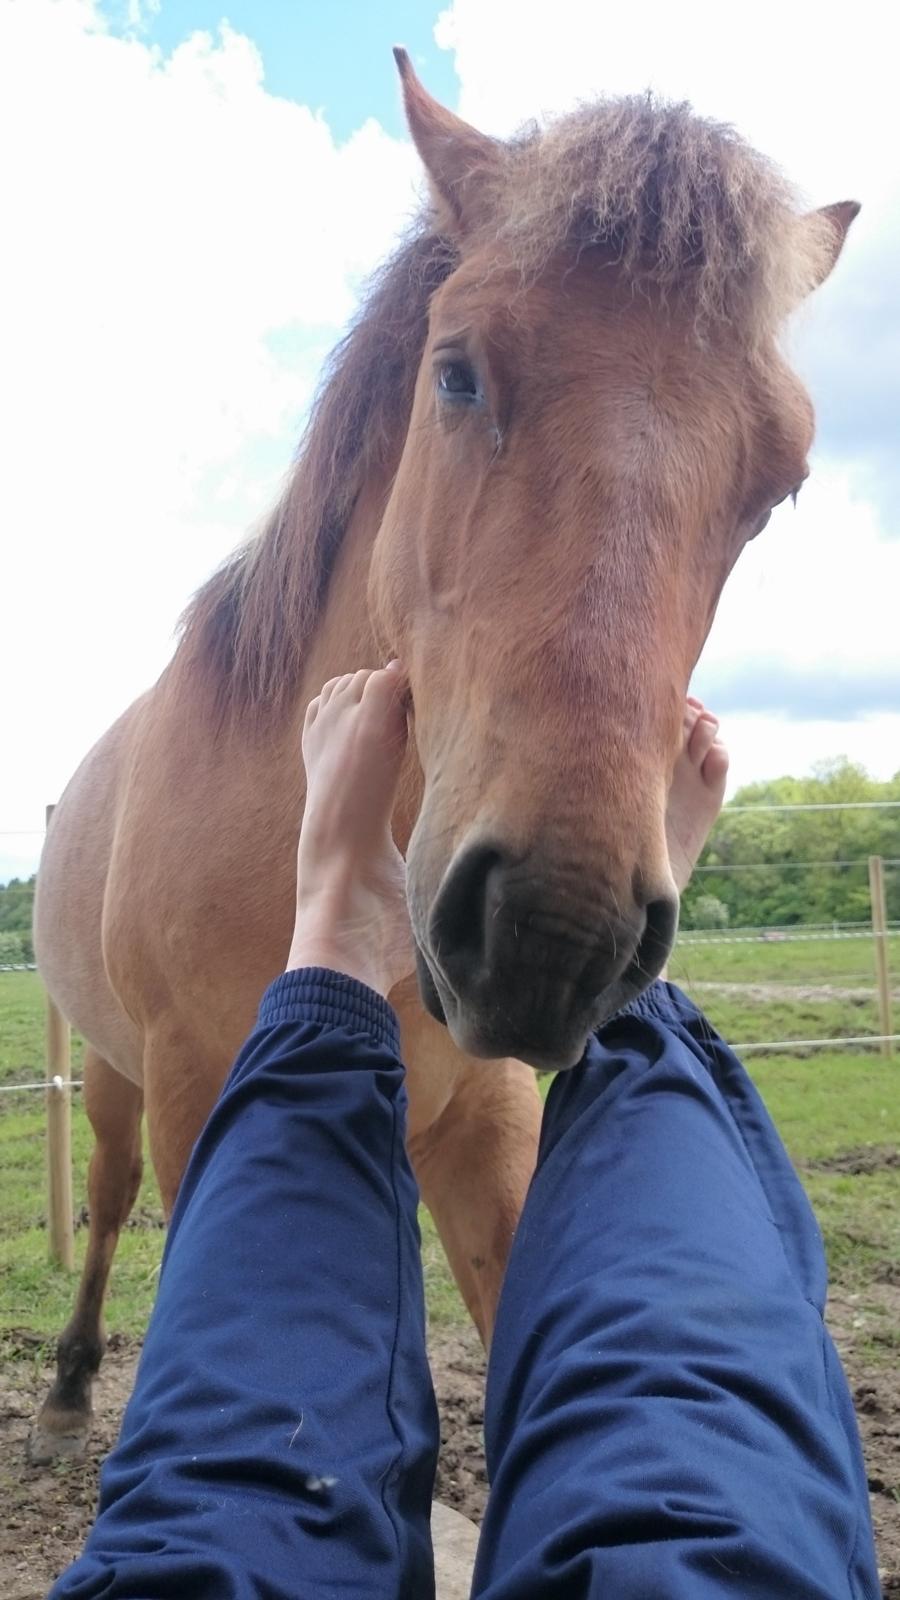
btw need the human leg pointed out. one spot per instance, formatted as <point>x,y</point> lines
<point>282,1436</point>
<point>666,1414</point>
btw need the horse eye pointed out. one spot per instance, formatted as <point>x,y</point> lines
<point>457,381</point>
<point>791,495</point>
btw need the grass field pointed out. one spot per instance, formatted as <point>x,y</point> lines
<point>843,962</point>
<point>829,1106</point>
<point>822,989</point>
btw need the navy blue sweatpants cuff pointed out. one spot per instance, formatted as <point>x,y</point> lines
<point>282,1435</point>
<point>666,1414</point>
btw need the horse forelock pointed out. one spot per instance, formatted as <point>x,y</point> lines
<point>681,202</point>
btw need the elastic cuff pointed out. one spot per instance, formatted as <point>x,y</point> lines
<point>662,1002</point>
<point>333,1000</point>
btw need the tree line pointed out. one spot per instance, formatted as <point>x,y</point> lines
<point>16,903</point>
<point>793,867</point>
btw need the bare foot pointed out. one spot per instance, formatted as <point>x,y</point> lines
<point>351,878</point>
<point>697,791</point>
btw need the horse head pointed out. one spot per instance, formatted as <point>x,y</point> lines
<point>601,421</point>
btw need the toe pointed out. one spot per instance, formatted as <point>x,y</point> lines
<point>385,696</point>
<point>330,689</point>
<point>714,770</point>
<point>386,684</point>
<point>692,709</point>
<point>702,735</point>
<point>358,683</point>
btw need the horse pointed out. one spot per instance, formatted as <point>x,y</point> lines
<point>561,413</point>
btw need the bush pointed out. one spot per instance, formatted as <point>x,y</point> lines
<point>16,950</point>
<point>707,911</point>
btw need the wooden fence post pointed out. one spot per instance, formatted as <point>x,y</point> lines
<point>60,1222</point>
<point>879,933</point>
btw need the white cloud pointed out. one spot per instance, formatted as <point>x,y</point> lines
<point>169,227</point>
<point>819,585</point>
<point>769,746</point>
<point>813,93</point>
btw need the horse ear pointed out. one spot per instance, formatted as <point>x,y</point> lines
<point>457,158</point>
<point>837,219</point>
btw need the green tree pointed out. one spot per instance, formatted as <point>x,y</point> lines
<point>790,867</point>
<point>16,949</point>
<point>17,905</point>
<point>708,911</point>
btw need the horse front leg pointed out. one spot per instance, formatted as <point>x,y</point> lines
<point>473,1138</point>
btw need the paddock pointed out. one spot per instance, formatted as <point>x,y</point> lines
<point>812,1007</point>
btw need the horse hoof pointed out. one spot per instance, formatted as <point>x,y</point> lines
<point>58,1436</point>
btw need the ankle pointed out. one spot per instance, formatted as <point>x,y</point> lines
<point>310,949</point>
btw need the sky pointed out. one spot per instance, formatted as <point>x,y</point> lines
<point>196,195</point>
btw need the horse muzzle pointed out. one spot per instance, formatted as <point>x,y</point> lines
<point>526,961</point>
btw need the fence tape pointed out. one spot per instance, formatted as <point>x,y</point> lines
<point>694,939</point>
<point>784,1045</point>
<point>56,1083</point>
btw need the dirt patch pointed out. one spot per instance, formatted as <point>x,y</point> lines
<point>802,993</point>
<point>864,1160</point>
<point>457,1364</point>
<point>45,1514</point>
<point>143,1217</point>
<point>858,1323</point>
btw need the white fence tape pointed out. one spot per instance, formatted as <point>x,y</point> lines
<point>785,1046</point>
<point>56,1083</point>
<point>694,939</point>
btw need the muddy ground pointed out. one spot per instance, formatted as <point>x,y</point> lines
<point>44,1514</point>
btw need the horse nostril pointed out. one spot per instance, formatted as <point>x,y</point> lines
<point>457,926</point>
<point>658,936</point>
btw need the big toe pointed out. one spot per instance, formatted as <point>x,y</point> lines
<point>715,767</point>
<point>384,697</point>
<point>702,737</point>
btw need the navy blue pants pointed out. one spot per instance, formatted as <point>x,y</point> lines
<point>666,1416</point>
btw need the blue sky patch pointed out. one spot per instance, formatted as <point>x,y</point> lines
<point>335,58</point>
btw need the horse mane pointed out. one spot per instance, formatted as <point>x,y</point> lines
<point>682,203</point>
<point>246,629</point>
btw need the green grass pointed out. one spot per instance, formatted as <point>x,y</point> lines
<point>839,964</point>
<point>22,1029</point>
<point>35,1295</point>
<point>829,1103</point>
<point>824,1105</point>
<point>746,1021</point>
<point>845,963</point>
